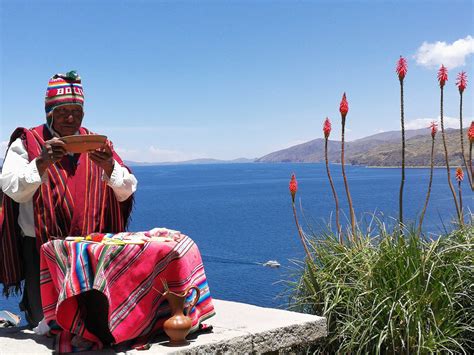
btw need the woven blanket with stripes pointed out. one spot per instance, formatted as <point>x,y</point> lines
<point>130,276</point>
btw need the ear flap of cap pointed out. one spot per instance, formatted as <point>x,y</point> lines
<point>49,119</point>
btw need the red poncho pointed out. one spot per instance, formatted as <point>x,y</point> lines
<point>74,201</point>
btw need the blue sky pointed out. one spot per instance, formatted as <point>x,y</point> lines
<point>177,80</point>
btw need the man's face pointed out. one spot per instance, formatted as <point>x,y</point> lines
<point>67,119</point>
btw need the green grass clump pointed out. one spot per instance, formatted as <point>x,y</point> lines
<point>392,294</point>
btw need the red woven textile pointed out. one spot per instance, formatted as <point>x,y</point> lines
<point>131,279</point>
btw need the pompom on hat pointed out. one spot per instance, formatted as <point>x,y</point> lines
<point>63,89</point>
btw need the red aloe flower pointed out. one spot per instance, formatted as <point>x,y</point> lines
<point>434,128</point>
<point>293,187</point>
<point>327,128</point>
<point>402,68</point>
<point>459,174</point>
<point>470,133</point>
<point>442,75</point>
<point>344,106</point>
<point>461,81</point>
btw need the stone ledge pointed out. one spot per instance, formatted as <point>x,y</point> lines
<point>238,328</point>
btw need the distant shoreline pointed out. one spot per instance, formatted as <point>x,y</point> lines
<point>138,164</point>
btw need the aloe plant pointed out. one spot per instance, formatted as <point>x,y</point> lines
<point>461,83</point>
<point>327,132</point>
<point>442,78</point>
<point>434,130</point>
<point>293,189</point>
<point>402,69</point>
<point>343,109</point>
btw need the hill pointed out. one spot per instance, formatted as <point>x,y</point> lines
<point>382,149</point>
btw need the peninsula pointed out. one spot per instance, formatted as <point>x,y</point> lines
<point>378,150</point>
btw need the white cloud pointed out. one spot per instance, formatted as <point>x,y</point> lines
<point>449,122</point>
<point>450,55</point>
<point>126,154</point>
<point>166,155</point>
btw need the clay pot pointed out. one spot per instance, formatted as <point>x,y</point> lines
<point>178,325</point>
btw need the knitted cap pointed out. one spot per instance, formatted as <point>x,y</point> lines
<point>63,89</point>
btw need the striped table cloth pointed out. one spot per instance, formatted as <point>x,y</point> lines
<point>130,277</point>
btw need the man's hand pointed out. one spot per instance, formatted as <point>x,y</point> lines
<point>103,157</point>
<point>53,150</point>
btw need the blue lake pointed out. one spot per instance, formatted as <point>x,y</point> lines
<point>240,215</point>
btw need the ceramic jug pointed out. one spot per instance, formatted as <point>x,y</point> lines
<point>178,325</point>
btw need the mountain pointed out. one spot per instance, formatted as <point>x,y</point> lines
<point>382,149</point>
<point>394,135</point>
<point>418,152</point>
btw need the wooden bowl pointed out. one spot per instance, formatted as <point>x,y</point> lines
<point>83,143</point>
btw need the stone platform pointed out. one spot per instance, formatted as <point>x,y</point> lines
<point>237,328</point>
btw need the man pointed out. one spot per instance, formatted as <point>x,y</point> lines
<point>51,193</point>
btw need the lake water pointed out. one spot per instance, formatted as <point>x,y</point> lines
<point>240,215</point>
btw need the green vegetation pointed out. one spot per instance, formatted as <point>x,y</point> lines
<point>391,293</point>
<point>395,292</point>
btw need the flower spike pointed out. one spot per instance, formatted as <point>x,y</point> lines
<point>327,132</point>
<point>442,78</point>
<point>344,106</point>
<point>293,187</point>
<point>402,68</point>
<point>343,109</point>
<point>434,128</point>
<point>470,133</point>
<point>459,174</point>
<point>442,75</point>
<point>461,81</point>
<point>327,128</point>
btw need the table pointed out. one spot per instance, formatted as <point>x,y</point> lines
<point>121,284</point>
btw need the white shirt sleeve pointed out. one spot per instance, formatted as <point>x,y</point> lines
<point>20,178</point>
<point>121,181</point>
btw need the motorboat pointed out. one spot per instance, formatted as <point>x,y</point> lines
<point>272,263</point>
